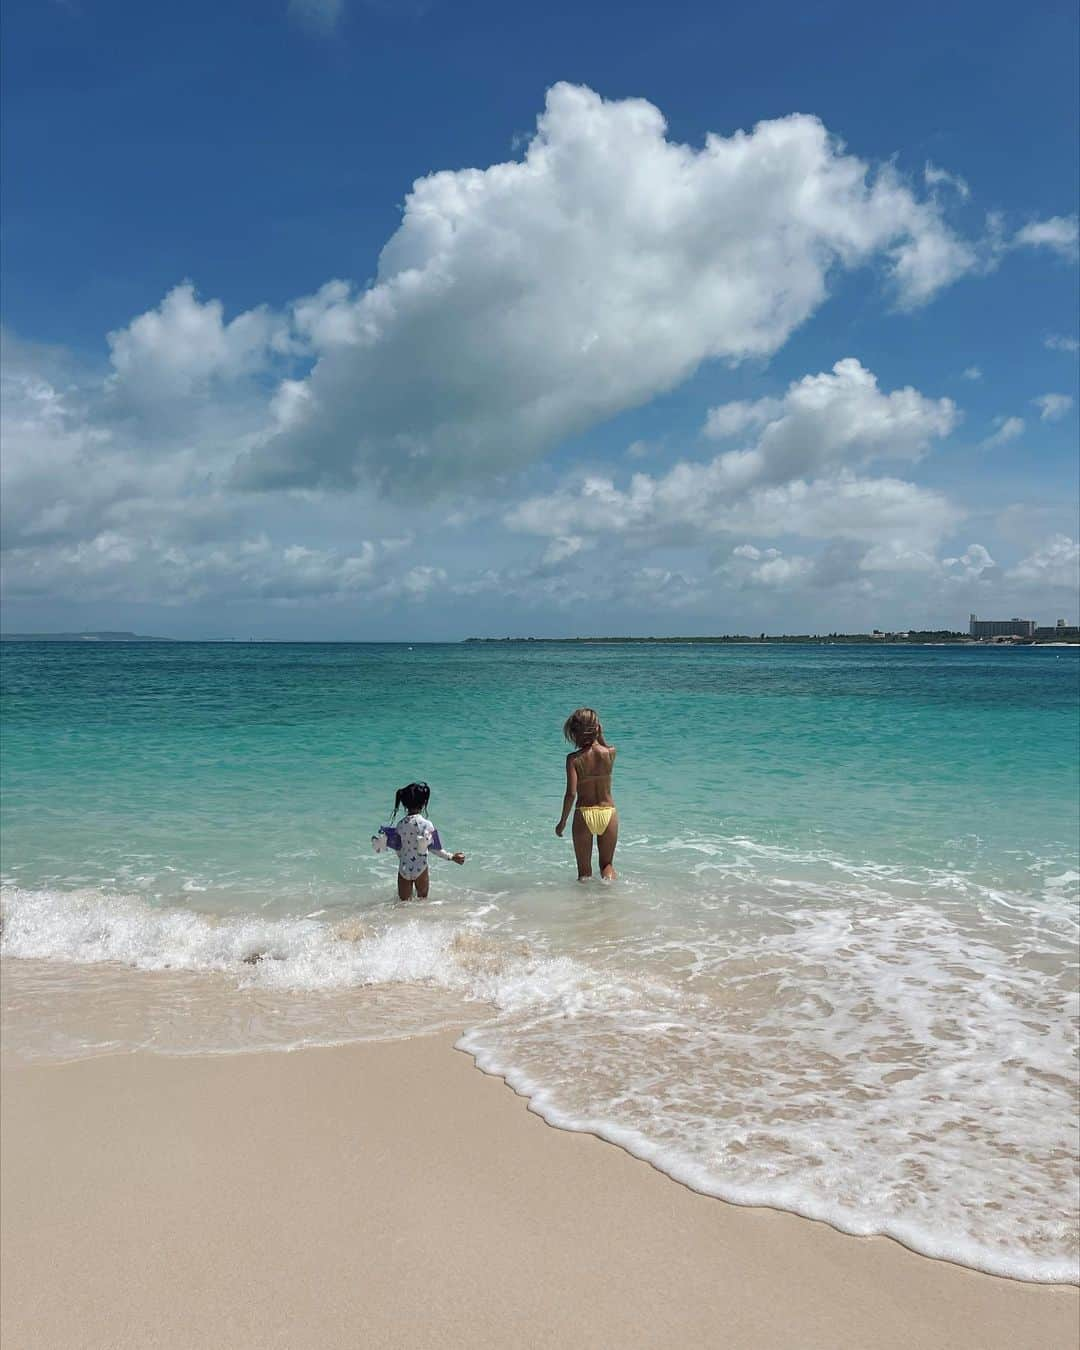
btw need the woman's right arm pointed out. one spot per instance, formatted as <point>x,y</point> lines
<point>569,795</point>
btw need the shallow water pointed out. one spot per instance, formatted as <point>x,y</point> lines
<point>837,974</point>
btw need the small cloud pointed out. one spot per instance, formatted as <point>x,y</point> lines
<point>729,419</point>
<point>637,449</point>
<point>1061,234</point>
<point>1006,429</point>
<point>973,373</point>
<point>563,548</point>
<point>418,581</point>
<point>322,15</point>
<point>768,568</point>
<point>1061,342</point>
<point>1052,407</point>
<point>935,177</point>
<point>974,564</point>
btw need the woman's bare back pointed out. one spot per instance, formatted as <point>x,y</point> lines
<point>593,768</point>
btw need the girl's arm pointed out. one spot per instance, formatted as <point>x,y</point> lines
<point>570,794</point>
<point>387,837</point>
<point>435,846</point>
<point>450,857</point>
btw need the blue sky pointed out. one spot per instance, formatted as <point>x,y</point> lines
<point>651,377</point>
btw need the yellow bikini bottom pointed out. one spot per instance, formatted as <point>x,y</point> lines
<point>596,818</point>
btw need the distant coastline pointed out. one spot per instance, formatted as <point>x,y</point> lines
<point>106,636</point>
<point>763,639</point>
<point>910,639</point>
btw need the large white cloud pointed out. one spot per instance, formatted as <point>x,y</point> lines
<point>51,469</point>
<point>103,504</point>
<point>838,416</point>
<point>795,477</point>
<point>799,474</point>
<point>72,467</point>
<point>521,303</point>
<point>144,444</point>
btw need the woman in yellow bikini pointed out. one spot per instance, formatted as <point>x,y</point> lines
<point>588,794</point>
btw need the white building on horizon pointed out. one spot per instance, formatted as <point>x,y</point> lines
<point>986,628</point>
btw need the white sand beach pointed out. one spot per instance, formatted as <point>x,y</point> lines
<point>390,1194</point>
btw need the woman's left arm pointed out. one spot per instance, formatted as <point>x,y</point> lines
<point>570,794</point>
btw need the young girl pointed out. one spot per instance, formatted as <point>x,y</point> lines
<point>588,780</point>
<point>412,841</point>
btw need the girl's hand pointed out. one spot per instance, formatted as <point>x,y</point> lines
<point>560,827</point>
<point>459,858</point>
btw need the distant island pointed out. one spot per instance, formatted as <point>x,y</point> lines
<point>81,637</point>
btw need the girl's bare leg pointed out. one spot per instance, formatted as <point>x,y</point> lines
<point>423,881</point>
<point>605,847</point>
<point>404,888</point>
<point>582,847</point>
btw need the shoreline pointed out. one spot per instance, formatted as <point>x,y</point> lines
<point>387,1193</point>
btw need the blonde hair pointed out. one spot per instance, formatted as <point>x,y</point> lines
<point>582,727</point>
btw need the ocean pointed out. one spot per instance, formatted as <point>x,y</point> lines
<point>837,974</point>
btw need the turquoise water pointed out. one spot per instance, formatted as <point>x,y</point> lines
<point>224,761</point>
<point>837,973</point>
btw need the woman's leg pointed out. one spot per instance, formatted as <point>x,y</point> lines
<point>404,888</point>
<point>423,881</point>
<point>582,847</point>
<point>605,847</point>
